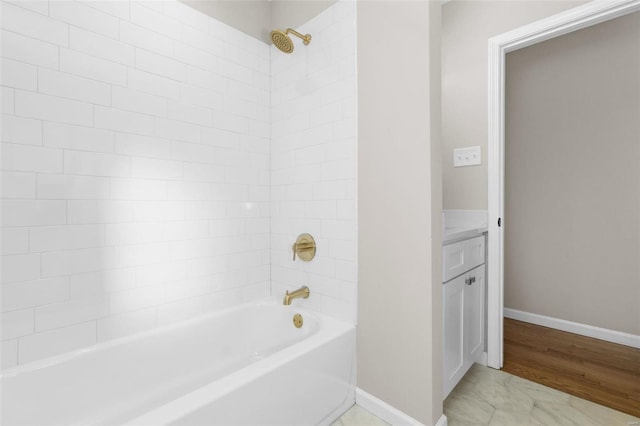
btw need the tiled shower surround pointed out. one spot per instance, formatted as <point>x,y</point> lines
<point>313,161</point>
<point>141,184</point>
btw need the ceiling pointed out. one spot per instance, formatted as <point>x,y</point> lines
<point>258,17</point>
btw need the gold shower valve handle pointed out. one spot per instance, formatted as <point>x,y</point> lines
<point>304,247</point>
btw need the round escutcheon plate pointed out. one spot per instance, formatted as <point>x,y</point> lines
<point>297,320</point>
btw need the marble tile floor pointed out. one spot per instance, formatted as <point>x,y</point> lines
<point>488,397</point>
<point>491,397</point>
<point>358,416</point>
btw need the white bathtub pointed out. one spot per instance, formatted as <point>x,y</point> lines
<point>247,365</point>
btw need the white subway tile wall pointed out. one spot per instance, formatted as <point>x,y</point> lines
<point>135,171</point>
<point>158,164</point>
<point>313,162</point>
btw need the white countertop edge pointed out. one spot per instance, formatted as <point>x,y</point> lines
<point>451,235</point>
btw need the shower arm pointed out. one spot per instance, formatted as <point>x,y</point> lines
<point>306,39</point>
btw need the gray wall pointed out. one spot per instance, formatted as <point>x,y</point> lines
<point>258,17</point>
<point>399,205</point>
<point>466,27</point>
<point>572,245</point>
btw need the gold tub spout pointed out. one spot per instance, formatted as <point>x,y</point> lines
<point>302,292</point>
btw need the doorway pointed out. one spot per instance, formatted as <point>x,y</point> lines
<point>563,23</point>
<point>569,191</point>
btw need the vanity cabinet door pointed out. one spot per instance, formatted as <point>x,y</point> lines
<point>463,325</point>
<point>474,314</point>
<point>454,335</point>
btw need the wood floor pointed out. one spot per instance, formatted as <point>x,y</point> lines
<point>602,372</point>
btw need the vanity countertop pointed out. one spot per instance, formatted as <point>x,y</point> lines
<point>457,233</point>
<point>462,224</point>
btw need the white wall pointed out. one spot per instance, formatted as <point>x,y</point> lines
<point>314,162</point>
<point>399,211</point>
<point>466,27</point>
<point>135,171</point>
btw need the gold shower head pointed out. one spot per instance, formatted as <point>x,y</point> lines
<point>282,41</point>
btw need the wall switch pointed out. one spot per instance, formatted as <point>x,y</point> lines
<point>467,156</point>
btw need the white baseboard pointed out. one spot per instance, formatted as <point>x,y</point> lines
<point>612,336</point>
<point>389,413</point>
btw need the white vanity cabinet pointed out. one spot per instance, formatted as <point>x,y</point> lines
<point>463,307</point>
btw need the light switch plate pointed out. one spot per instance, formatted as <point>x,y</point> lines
<point>469,156</point>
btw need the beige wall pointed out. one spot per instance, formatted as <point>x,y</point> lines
<point>572,246</point>
<point>399,290</point>
<point>435,114</point>
<point>258,17</point>
<point>466,27</point>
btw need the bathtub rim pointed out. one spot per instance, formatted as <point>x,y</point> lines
<point>107,344</point>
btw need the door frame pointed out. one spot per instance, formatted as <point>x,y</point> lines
<point>583,16</point>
